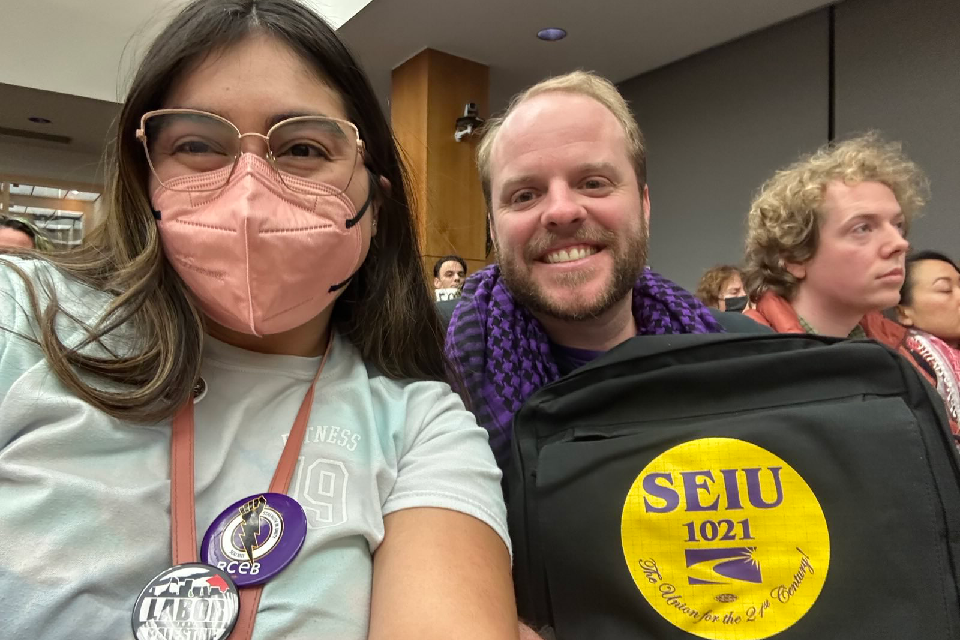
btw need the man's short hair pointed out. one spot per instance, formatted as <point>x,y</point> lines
<point>40,241</point>
<point>785,218</point>
<point>439,264</point>
<point>711,284</point>
<point>582,83</point>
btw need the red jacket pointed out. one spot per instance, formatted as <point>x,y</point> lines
<point>777,313</point>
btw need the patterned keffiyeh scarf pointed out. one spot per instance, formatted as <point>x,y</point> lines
<point>502,353</point>
<point>945,361</point>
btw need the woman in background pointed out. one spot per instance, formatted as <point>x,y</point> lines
<point>930,308</point>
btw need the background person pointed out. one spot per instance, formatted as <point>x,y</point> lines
<point>449,272</point>
<point>826,244</point>
<point>721,286</point>
<point>826,241</point>
<point>20,234</point>
<point>930,308</point>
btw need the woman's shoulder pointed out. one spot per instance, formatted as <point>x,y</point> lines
<point>443,456</point>
<point>17,272</point>
<point>21,276</point>
<point>28,285</point>
<point>415,396</point>
<point>31,266</point>
<point>407,404</point>
<point>18,278</point>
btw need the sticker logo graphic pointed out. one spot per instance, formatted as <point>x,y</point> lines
<point>725,540</point>
<point>253,533</point>
<point>737,563</point>
<point>251,524</point>
<point>254,539</point>
<point>187,601</point>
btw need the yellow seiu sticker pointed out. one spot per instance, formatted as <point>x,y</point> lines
<point>725,540</point>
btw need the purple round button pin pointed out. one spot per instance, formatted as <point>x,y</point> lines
<point>254,539</point>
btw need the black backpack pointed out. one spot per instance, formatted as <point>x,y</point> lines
<point>737,487</point>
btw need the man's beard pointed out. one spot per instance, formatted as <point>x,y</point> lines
<point>629,259</point>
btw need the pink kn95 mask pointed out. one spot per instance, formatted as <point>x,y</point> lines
<point>259,257</point>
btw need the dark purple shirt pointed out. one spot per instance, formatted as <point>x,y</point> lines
<point>570,358</point>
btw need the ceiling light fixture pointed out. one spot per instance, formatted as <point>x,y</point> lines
<point>552,34</point>
<point>39,120</point>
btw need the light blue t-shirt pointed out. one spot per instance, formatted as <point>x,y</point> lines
<point>85,498</point>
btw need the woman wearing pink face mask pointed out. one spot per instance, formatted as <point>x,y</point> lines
<point>226,415</point>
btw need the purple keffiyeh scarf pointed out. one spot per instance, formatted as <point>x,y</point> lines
<point>502,353</point>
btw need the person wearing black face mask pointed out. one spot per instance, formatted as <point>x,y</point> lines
<point>735,304</point>
<point>722,288</point>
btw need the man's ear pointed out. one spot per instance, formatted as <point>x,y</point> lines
<point>492,245</point>
<point>645,197</point>
<point>796,269</point>
<point>436,283</point>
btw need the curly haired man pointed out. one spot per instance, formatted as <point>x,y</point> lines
<point>826,243</point>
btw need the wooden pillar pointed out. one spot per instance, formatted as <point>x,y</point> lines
<point>428,94</point>
<point>92,217</point>
<point>5,197</point>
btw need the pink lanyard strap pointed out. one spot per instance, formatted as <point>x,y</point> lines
<point>183,518</point>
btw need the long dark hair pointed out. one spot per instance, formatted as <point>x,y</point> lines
<point>386,311</point>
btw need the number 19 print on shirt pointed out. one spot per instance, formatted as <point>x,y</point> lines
<point>725,540</point>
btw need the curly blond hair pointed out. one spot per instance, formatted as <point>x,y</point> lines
<point>584,83</point>
<point>712,283</point>
<point>785,217</point>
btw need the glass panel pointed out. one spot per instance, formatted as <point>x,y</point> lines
<point>86,196</point>
<point>48,192</point>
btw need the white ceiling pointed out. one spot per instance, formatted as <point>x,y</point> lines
<point>78,48</point>
<point>616,38</point>
<point>89,50</point>
<point>69,61</point>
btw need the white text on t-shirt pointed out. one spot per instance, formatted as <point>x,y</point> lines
<point>332,435</point>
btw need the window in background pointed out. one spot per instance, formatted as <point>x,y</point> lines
<point>59,210</point>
